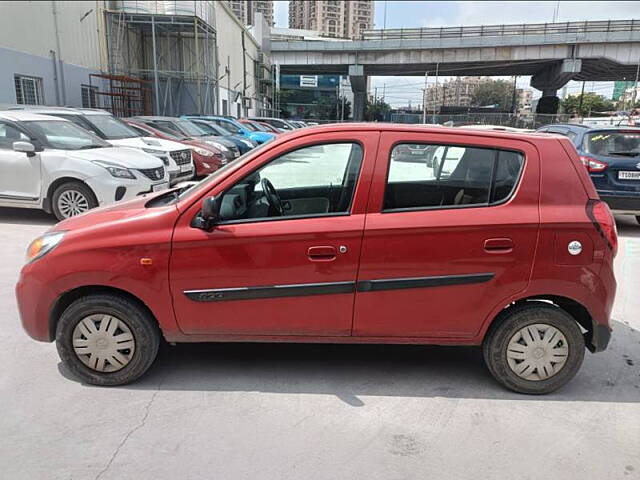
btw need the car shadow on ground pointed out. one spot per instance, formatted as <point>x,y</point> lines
<point>627,226</point>
<point>354,372</point>
<point>26,216</point>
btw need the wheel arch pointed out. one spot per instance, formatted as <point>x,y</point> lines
<point>70,296</point>
<point>46,202</point>
<point>573,308</point>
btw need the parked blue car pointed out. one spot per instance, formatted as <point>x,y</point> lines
<point>612,157</point>
<point>235,127</point>
<point>212,128</point>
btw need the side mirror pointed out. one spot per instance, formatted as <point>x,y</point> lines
<point>24,147</point>
<point>209,215</point>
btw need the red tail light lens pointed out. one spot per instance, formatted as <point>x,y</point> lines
<point>592,164</point>
<point>603,220</point>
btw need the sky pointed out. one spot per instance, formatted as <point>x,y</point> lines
<point>411,14</point>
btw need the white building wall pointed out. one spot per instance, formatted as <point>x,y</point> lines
<point>230,52</point>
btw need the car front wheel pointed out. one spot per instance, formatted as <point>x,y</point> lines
<point>71,199</point>
<point>534,348</point>
<point>107,339</point>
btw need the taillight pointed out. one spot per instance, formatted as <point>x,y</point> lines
<point>605,224</point>
<point>592,164</point>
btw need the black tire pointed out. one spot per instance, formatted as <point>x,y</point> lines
<point>78,187</point>
<point>140,322</point>
<point>514,319</point>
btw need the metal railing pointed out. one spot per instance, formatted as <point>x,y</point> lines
<point>605,26</point>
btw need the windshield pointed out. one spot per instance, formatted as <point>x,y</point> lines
<point>249,126</point>
<point>190,128</point>
<point>64,135</point>
<point>232,127</point>
<point>259,127</point>
<point>624,143</point>
<point>112,128</point>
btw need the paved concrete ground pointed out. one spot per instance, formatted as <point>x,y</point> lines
<point>315,412</point>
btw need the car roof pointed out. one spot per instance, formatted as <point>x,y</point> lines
<point>155,117</point>
<point>22,116</point>
<point>44,109</point>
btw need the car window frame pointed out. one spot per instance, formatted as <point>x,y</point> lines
<point>304,216</point>
<point>488,204</point>
<point>23,131</point>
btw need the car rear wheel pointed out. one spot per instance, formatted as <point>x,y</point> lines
<point>534,348</point>
<point>71,199</point>
<point>107,339</point>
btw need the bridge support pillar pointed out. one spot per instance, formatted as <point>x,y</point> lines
<point>552,78</point>
<point>359,87</point>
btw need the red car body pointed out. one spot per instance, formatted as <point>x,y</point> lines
<point>204,164</point>
<point>156,256</point>
<point>266,126</point>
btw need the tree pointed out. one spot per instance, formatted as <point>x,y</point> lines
<point>497,93</point>
<point>591,102</point>
<point>377,111</point>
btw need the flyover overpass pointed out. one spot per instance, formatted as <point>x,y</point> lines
<point>552,53</point>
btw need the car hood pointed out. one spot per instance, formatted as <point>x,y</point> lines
<point>148,142</point>
<point>114,212</point>
<point>126,157</point>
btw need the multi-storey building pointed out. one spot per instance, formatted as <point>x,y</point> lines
<point>524,96</point>
<point>332,18</point>
<point>245,10</point>
<point>456,91</point>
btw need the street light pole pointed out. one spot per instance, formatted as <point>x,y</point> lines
<point>435,93</point>
<point>424,98</point>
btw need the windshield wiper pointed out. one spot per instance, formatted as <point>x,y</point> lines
<point>625,154</point>
<point>88,147</point>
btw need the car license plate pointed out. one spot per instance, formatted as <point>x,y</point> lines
<point>185,168</point>
<point>417,152</point>
<point>159,186</point>
<point>622,175</point>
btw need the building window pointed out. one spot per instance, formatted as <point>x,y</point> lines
<point>89,96</point>
<point>28,90</point>
<point>225,107</point>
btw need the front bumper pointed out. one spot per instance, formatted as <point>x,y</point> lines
<point>109,189</point>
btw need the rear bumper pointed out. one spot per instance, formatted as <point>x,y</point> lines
<point>621,204</point>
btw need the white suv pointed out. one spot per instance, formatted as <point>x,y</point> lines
<point>176,157</point>
<point>52,164</point>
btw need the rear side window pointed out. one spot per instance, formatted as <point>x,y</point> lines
<point>428,176</point>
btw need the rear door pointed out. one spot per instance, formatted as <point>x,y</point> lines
<point>444,245</point>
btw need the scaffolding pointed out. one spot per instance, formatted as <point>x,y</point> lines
<point>125,96</point>
<point>174,54</point>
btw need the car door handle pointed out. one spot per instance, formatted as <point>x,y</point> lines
<point>498,245</point>
<point>322,253</point>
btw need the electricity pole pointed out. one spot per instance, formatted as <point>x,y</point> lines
<point>435,92</point>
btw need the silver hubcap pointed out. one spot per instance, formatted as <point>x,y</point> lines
<point>537,352</point>
<point>103,343</point>
<point>72,202</point>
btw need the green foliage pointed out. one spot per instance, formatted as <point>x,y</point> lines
<point>377,111</point>
<point>591,103</point>
<point>493,92</point>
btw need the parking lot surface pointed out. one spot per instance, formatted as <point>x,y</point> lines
<point>247,411</point>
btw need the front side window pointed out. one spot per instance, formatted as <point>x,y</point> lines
<point>310,181</point>
<point>10,134</point>
<point>28,90</point>
<point>449,176</point>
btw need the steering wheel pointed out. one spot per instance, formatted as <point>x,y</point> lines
<point>271,194</point>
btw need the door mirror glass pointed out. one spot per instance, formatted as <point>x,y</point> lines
<point>25,147</point>
<point>209,214</point>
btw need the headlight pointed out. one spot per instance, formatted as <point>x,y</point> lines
<point>115,170</point>
<point>203,152</point>
<point>219,146</point>
<point>43,245</point>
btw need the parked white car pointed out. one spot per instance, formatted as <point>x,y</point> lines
<point>177,159</point>
<point>52,164</point>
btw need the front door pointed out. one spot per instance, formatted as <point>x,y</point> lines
<point>283,259</point>
<point>20,177</point>
<point>446,238</point>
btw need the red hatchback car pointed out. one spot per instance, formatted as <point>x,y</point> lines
<point>206,158</point>
<point>323,235</point>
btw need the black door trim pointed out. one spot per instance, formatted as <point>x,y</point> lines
<point>422,282</point>
<point>276,291</point>
<point>332,288</point>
